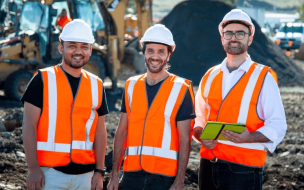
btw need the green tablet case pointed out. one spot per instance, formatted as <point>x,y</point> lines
<point>213,130</point>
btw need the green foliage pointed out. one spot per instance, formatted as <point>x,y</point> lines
<point>230,2</point>
<point>300,10</point>
<point>131,6</point>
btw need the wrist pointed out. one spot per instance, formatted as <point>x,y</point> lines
<point>115,174</point>
<point>100,171</point>
<point>34,167</point>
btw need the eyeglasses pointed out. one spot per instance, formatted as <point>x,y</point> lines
<point>238,35</point>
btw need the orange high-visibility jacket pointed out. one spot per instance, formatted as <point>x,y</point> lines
<point>66,128</point>
<point>152,140</point>
<point>239,106</point>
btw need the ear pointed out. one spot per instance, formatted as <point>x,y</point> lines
<point>169,55</point>
<point>91,49</point>
<point>60,48</point>
<point>250,39</point>
<point>222,40</point>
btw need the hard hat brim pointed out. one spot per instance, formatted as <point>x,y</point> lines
<point>76,40</point>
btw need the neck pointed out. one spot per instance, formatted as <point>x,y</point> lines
<point>235,61</point>
<point>72,71</point>
<point>154,78</point>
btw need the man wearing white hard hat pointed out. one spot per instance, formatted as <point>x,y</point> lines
<point>238,92</point>
<point>64,131</point>
<point>156,119</point>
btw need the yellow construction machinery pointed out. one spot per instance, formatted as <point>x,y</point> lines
<point>35,43</point>
<point>9,10</point>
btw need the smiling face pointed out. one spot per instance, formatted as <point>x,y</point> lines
<point>156,57</point>
<point>235,46</point>
<point>75,54</point>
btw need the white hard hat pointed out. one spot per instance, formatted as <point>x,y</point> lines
<point>159,34</point>
<point>237,16</point>
<point>77,31</point>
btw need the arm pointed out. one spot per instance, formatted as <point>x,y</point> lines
<point>100,145</point>
<point>200,121</point>
<point>183,128</point>
<point>245,136</point>
<point>119,150</point>
<point>35,177</point>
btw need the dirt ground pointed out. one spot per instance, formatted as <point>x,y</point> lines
<point>283,169</point>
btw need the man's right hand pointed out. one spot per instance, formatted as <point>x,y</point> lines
<point>209,143</point>
<point>113,183</point>
<point>35,179</point>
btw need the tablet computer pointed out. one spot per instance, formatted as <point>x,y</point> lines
<point>213,130</point>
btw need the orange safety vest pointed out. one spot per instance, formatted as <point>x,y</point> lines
<point>152,141</point>
<point>62,21</point>
<point>66,129</point>
<point>239,106</point>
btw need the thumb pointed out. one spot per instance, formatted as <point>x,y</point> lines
<point>42,181</point>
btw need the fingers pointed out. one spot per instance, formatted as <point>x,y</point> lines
<point>37,186</point>
<point>99,186</point>
<point>93,186</point>
<point>42,184</point>
<point>32,186</point>
<point>209,143</point>
<point>112,186</point>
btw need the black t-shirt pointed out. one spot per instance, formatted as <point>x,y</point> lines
<point>34,96</point>
<point>186,110</point>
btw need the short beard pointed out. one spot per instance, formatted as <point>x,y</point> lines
<point>163,64</point>
<point>75,66</point>
<point>235,51</point>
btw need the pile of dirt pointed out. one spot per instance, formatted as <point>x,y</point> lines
<point>194,25</point>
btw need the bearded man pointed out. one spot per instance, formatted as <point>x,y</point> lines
<point>64,131</point>
<point>156,119</point>
<point>238,91</point>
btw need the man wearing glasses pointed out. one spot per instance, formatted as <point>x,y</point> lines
<point>238,91</point>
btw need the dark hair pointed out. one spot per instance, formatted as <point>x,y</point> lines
<point>237,22</point>
<point>61,42</point>
<point>145,46</point>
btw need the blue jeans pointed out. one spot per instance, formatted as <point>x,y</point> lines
<point>142,180</point>
<point>224,175</point>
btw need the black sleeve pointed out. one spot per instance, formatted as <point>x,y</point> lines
<point>123,103</point>
<point>34,91</point>
<point>103,109</point>
<point>186,110</point>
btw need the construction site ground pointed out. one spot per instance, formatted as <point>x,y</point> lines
<point>283,169</point>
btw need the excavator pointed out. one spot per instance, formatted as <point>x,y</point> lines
<point>34,44</point>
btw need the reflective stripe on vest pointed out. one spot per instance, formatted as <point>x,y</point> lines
<point>157,123</point>
<point>89,119</point>
<point>152,151</point>
<point>254,78</point>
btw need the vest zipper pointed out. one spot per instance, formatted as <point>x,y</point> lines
<point>223,101</point>
<point>74,98</point>
<point>142,142</point>
<point>227,95</point>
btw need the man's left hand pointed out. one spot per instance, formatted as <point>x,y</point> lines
<point>244,137</point>
<point>97,181</point>
<point>177,186</point>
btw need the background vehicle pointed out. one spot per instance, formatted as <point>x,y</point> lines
<point>290,35</point>
<point>35,43</point>
<point>9,12</point>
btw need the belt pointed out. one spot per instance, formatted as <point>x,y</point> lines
<point>216,160</point>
